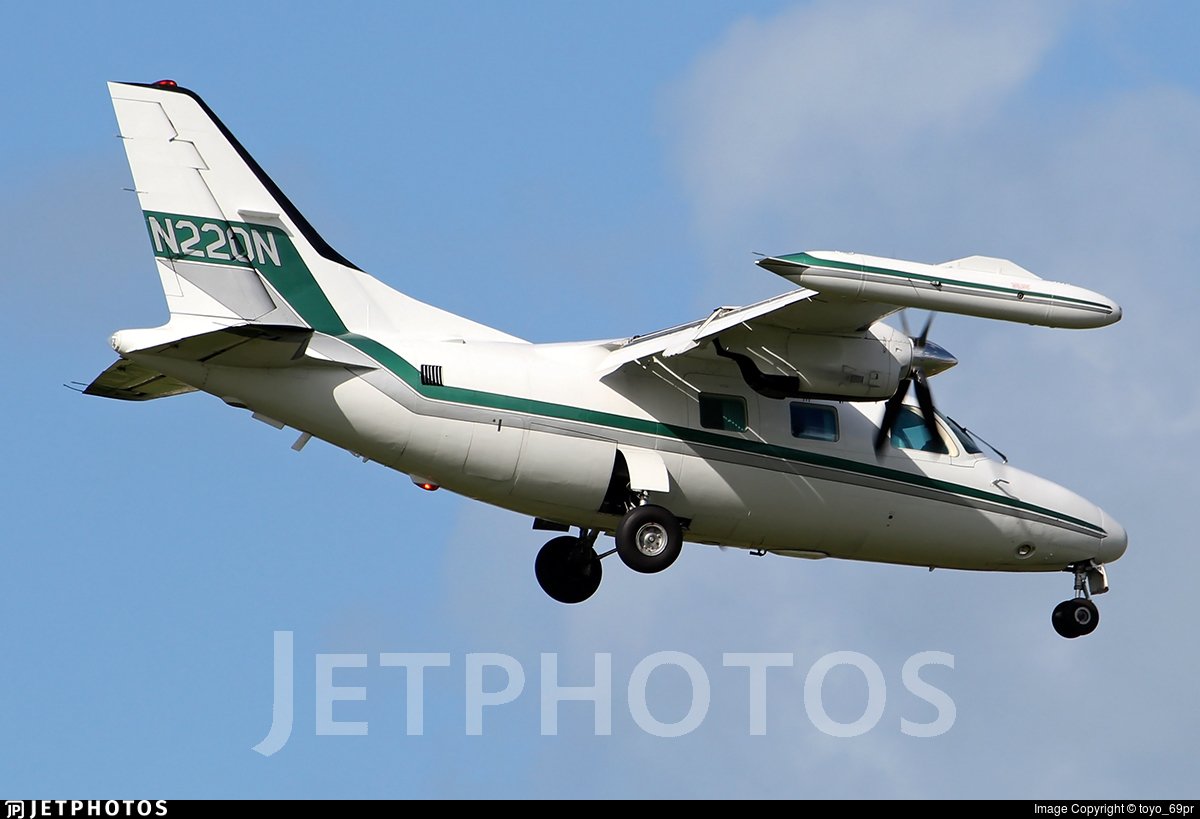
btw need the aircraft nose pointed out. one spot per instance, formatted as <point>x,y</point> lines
<point>1115,542</point>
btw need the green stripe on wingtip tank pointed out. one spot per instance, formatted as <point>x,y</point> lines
<point>808,260</point>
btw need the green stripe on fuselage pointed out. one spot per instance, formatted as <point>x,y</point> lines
<point>295,282</point>
<point>265,248</point>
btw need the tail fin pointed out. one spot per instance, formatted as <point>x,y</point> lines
<point>231,247</point>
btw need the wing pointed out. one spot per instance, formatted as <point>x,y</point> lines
<point>843,294</point>
<point>801,310</point>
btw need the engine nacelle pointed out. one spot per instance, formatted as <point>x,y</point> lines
<point>865,367</point>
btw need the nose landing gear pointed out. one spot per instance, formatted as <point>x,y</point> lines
<point>1079,616</point>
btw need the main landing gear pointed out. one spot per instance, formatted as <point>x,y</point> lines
<point>1079,616</point>
<point>568,568</point>
<point>649,539</point>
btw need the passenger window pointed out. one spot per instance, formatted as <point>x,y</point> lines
<point>910,433</point>
<point>722,412</point>
<point>816,422</point>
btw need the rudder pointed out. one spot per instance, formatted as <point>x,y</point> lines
<point>222,232</point>
<point>232,248</point>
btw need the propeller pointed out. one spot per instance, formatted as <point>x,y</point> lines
<point>928,359</point>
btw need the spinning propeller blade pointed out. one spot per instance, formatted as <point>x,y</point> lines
<point>919,378</point>
<point>890,413</point>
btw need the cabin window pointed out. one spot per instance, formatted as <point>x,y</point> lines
<point>722,412</point>
<point>816,422</point>
<point>910,433</point>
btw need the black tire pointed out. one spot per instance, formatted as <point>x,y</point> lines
<point>567,570</point>
<point>1075,618</point>
<point>1062,621</point>
<point>649,539</point>
<point>1087,617</point>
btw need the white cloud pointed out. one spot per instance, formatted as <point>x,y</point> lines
<point>918,130</point>
<point>821,98</point>
<point>900,127</point>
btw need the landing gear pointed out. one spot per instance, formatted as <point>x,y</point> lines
<point>1079,616</point>
<point>649,539</point>
<point>1075,618</point>
<point>568,568</point>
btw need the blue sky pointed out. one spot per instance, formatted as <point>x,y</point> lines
<point>578,171</point>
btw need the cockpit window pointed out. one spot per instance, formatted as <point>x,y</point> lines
<point>968,443</point>
<point>909,433</point>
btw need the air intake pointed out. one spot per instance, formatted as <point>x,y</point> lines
<point>431,375</point>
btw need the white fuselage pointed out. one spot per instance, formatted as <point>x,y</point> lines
<point>534,428</point>
<point>685,433</point>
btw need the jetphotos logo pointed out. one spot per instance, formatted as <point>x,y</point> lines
<point>216,241</point>
<point>745,674</point>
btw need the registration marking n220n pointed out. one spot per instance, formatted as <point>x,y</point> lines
<point>213,240</point>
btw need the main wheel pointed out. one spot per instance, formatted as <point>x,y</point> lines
<point>649,539</point>
<point>1075,618</point>
<point>567,570</point>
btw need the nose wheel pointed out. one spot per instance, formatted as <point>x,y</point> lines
<point>1075,618</point>
<point>1079,616</point>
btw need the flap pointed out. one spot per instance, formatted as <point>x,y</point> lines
<point>801,310</point>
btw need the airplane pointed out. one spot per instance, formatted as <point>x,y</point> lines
<point>783,427</point>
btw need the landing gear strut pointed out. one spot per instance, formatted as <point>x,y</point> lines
<point>568,568</point>
<point>1079,616</point>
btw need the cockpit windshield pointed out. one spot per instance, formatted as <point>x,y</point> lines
<point>909,432</point>
<point>969,444</point>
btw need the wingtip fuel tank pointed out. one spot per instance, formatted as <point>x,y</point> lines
<point>976,286</point>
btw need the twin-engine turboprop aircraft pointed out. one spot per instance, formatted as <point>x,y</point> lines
<point>780,427</point>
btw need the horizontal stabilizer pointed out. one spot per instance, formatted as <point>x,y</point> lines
<point>129,381</point>
<point>244,345</point>
<point>247,345</point>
